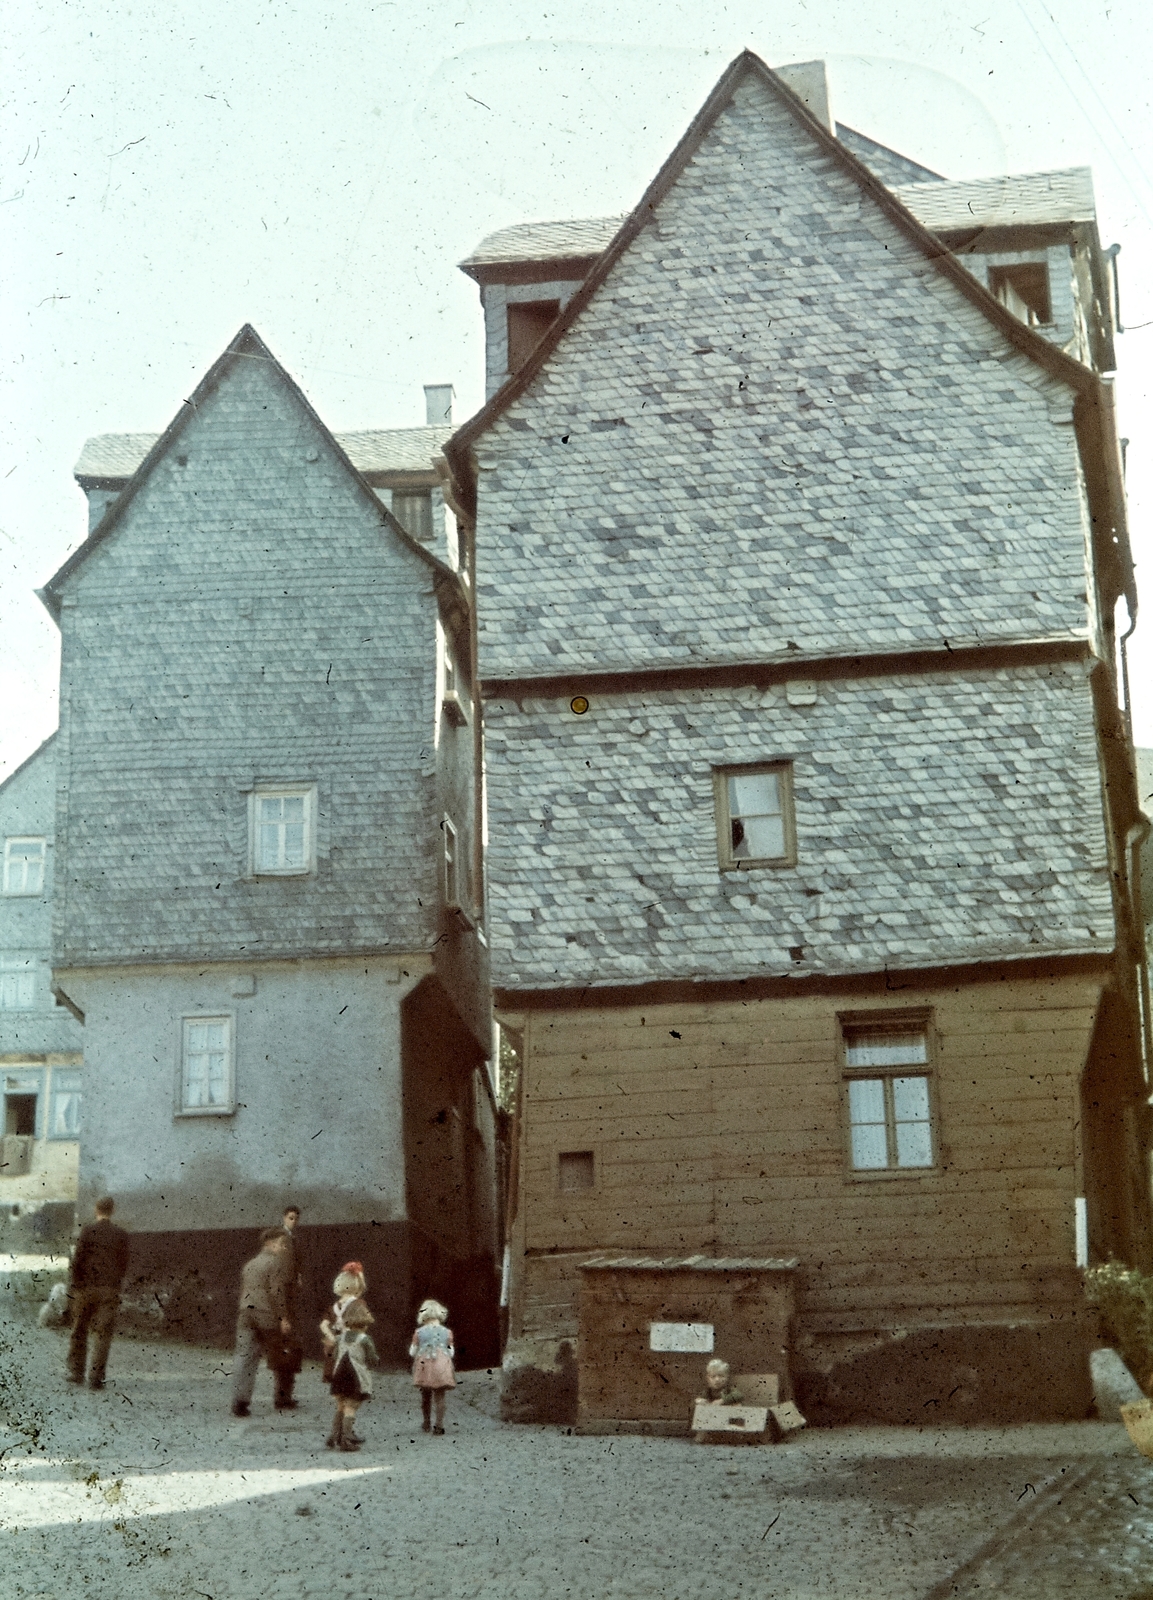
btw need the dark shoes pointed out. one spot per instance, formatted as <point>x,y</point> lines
<point>438,1430</point>
<point>70,1377</point>
<point>96,1383</point>
<point>426,1426</point>
<point>240,1408</point>
<point>287,1405</point>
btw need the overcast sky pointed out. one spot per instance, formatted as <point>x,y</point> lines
<point>317,169</point>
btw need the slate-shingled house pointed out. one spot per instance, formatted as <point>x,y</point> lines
<point>267,898</point>
<point>799,532</point>
<point>41,1045</point>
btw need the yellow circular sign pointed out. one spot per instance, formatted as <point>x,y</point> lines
<point>580,705</point>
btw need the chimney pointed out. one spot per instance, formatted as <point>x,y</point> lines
<point>438,404</point>
<point>809,82</point>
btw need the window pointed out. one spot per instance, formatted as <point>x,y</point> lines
<point>412,508</point>
<point>528,322</point>
<point>22,1102</point>
<point>755,816</point>
<point>24,866</point>
<point>452,865</point>
<point>1023,289</point>
<point>452,703</point>
<point>575,1171</point>
<point>283,830</point>
<point>206,1065</point>
<point>64,1104</point>
<point>17,983</point>
<point>889,1095</point>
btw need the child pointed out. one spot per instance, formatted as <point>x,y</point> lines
<point>433,1352</point>
<point>349,1285</point>
<point>718,1391</point>
<point>351,1383</point>
<point>718,1385</point>
<point>346,1359</point>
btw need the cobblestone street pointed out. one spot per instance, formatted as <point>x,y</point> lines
<point>151,1489</point>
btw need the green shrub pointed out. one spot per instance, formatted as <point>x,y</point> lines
<point>1124,1297</point>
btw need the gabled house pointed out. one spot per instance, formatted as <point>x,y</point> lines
<point>41,1044</point>
<point>268,881</point>
<point>799,534</point>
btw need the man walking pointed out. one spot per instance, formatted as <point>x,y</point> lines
<point>262,1324</point>
<point>99,1263</point>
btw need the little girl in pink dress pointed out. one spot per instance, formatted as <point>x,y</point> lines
<point>432,1351</point>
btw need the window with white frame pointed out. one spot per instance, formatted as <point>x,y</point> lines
<point>206,1064</point>
<point>24,865</point>
<point>17,982</point>
<point>283,830</point>
<point>755,826</point>
<point>889,1095</point>
<point>64,1103</point>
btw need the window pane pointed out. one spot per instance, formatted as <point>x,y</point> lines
<point>293,844</point>
<point>754,794</point>
<point>65,1118</point>
<point>293,805</point>
<point>884,1048</point>
<point>867,1118</point>
<point>270,809</point>
<point>914,1144</point>
<point>269,844</point>
<point>911,1099</point>
<point>869,1146</point>
<point>764,839</point>
<point>866,1100</point>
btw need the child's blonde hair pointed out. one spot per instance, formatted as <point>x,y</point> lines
<point>347,1282</point>
<point>717,1368</point>
<point>431,1311</point>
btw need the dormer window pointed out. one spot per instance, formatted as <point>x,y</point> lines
<point>528,322</point>
<point>1023,289</point>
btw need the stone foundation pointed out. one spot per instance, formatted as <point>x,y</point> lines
<point>1010,1373</point>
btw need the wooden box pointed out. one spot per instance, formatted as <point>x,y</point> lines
<point>648,1327</point>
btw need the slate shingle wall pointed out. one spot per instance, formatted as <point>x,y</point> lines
<point>250,619</point>
<point>941,818</point>
<point>27,808</point>
<point>775,422</point>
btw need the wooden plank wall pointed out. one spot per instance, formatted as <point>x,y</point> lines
<point>717,1128</point>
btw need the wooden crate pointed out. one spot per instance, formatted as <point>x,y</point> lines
<point>749,1304</point>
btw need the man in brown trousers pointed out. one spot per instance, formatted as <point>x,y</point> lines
<point>262,1323</point>
<point>99,1263</point>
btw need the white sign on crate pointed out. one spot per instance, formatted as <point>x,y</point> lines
<point>687,1338</point>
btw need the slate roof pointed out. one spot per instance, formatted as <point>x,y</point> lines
<point>1025,199</point>
<point>1016,199</point>
<point>945,817</point>
<point>545,241</point>
<point>889,165</point>
<point>775,419</point>
<point>117,455</point>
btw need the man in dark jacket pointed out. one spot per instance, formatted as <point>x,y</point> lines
<point>262,1324</point>
<point>292,1358</point>
<point>99,1263</point>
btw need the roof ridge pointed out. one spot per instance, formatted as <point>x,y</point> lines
<point>246,344</point>
<point>747,63</point>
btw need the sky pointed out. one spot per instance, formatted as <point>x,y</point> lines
<point>318,169</point>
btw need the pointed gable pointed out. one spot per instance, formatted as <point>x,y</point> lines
<point>247,612</point>
<point>775,420</point>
